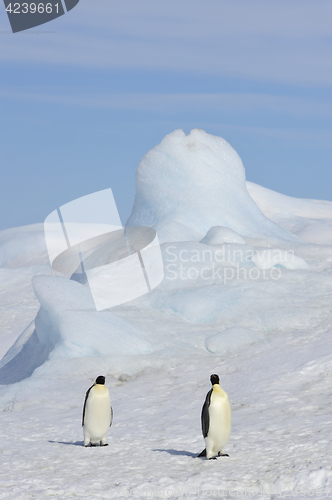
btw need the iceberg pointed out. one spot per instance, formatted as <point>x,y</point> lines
<point>197,181</point>
<point>68,326</point>
<point>228,265</point>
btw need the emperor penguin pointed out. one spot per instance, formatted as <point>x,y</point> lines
<point>216,421</point>
<point>97,413</point>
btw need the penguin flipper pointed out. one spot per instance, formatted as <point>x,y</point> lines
<point>205,417</point>
<point>202,453</point>
<point>111,416</point>
<point>86,398</point>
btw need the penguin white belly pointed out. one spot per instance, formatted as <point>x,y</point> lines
<point>97,416</point>
<point>219,423</point>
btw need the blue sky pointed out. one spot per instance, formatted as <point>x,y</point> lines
<point>84,97</point>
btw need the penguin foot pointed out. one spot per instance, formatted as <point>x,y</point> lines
<point>212,458</point>
<point>222,454</point>
<point>202,453</point>
<point>105,444</point>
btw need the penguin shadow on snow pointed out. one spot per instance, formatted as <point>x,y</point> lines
<point>76,443</point>
<point>178,452</point>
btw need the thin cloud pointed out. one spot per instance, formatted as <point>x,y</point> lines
<point>284,42</point>
<point>240,103</point>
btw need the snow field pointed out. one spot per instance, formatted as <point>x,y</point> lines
<point>279,439</point>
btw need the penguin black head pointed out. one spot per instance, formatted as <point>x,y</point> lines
<point>214,379</point>
<point>100,380</point>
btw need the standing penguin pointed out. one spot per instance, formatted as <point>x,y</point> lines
<point>216,420</point>
<point>97,413</point>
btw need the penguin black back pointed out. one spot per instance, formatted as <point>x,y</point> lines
<point>205,417</point>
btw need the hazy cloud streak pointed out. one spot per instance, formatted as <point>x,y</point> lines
<point>284,42</point>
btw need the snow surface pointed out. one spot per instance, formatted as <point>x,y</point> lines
<point>248,302</point>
